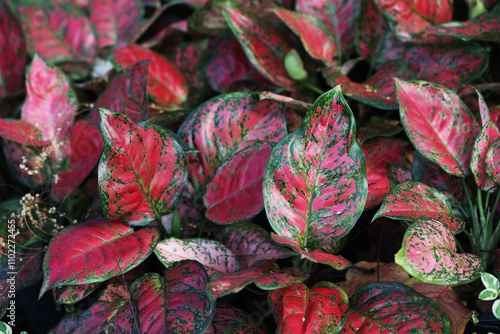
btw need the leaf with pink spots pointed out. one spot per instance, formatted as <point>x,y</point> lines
<point>492,159</point>
<point>298,309</point>
<point>315,183</point>
<point>391,307</point>
<point>94,251</point>
<point>370,30</point>
<point>175,302</point>
<point>21,132</point>
<point>142,171</point>
<point>429,253</point>
<point>414,200</point>
<point>438,124</point>
<point>70,294</point>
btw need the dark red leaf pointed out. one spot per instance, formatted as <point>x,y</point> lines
<point>21,132</point>
<point>371,28</point>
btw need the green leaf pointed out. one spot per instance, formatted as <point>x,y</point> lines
<point>488,294</point>
<point>490,281</point>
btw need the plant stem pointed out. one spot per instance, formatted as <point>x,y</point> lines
<point>475,223</point>
<point>494,208</point>
<point>311,87</point>
<point>480,206</point>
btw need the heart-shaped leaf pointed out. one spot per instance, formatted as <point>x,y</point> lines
<point>314,34</point>
<point>264,45</point>
<point>250,243</point>
<point>94,251</point>
<point>13,46</point>
<point>429,254</point>
<point>229,319</point>
<point>414,200</point>
<point>126,94</point>
<point>315,181</point>
<point>58,32</point>
<point>21,132</point>
<point>212,254</point>
<point>321,309</point>
<point>393,308</point>
<point>175,302</point>
<point>115,22</point>
<point>492,158</point>
<point>438,124</point>
<point>142,171</point>
<point>379,152</point>
<point>166,84</point>
<point>235,192</point>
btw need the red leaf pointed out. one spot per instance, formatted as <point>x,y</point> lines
<point>58,32</point>
<point>142,171</point>
<point>94,251</point>
<point>438,124</point>
<point>21,132</point>
<point>70,294</point>
<point>166,84</point>
<point>229,318</point>
<point>489,133</point>
<point>13,46</point>
<point>115,22</point>
<point>235,192</point>
<point>126,94</point>
<point>370,31</point>
<point>492,158</point>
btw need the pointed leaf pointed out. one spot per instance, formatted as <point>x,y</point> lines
<point>438,124</point>
<point>251,243</point>
<point>235,192</point>
<point>394,308</point>
<point>142,171</point>
<point>175,302</point>
<point>492,159</point>
<point>115,22</point>
<point>489,133</point>
<point>58,32</point>
<point>21,132</point>
<point>166,84</point>
<point>322,309</point>
<point>94,251</point>
<point>429,254</point>
<point>70,294</point>
<point>213,255</point>
<point>314,34</point>
<point>414,200</point>
<point>126,94</point>
<point>315,181</point>
<point>264,45</point>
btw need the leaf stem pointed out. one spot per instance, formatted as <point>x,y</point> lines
<point>475,224</point>
<point>311,87</point>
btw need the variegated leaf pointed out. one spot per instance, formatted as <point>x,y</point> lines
<point>489,133</point>
<point>493,161</point>
<point>230,319</point>
<point>21,132</point>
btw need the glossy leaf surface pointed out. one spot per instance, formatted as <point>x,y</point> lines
<point>142,171</point>
<point>175,302</point>
<point>321,309</point>
<point>21,132</point>
<point>414,200</point>
<point>489,133</point>
<point>250,243</point>
<point>429,253</point>
<point>235,192</point>
<point>438,124</point>
<point>315,181</point>
<point>492,159</point>
<point>70,294</point>
<point>393,308</point>
<point>94,251</point>
<point>214,256</point>
<point>166,84</point>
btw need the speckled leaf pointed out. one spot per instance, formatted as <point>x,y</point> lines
<point>227,319</point>
<point>429,254</point>
<point>340,16</point>
<point>175,302</point>
<point>70,294</point>
<point>448,65</point>
<point>264,45</point>
<point>489,133</point>
<point>375,272</point>
<point>94,251</point>
<point>265,95</point>
<point>378,127</point>
<point>414,200</point>
<point>235,193</point>
<point>485,27</point>
<point>213,255</point>
<point>315,181</point>
<point>115,21</point>
<point>378,91</point>
<point>314,34</point>
<point>85,147</point>
<point>142,171</point>
<point>492,161</point>
<point>438,124</point>
<point>317,255</point>
<point>13,46</point>
<point>371,28</point>
<point>126,94</point>
<point>21,132</point>
<point>50,103</point>
<point>251,243</point>
<point>58,32</point>
<point>321,309</point>
<point>265,274</point>
<point>379,152</point>
<point>448,301</point>
<point>391,307</point>
<point>399,174</point>
<point>166,84</point>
